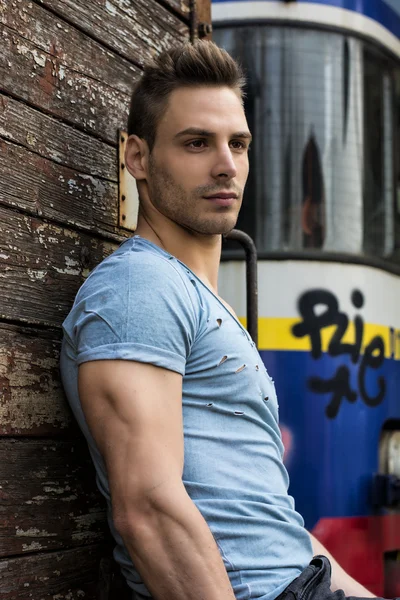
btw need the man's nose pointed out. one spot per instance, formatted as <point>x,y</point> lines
<point>224,165</point>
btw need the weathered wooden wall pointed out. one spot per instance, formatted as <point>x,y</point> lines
<point>66,72</point>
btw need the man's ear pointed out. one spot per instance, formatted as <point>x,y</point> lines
<point>136,157</point>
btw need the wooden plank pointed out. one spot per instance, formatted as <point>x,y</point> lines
<point>32,402</point>
<point>56,141</point>
<point>58,193</point>
<point>42,267</point>
<point>68,575</point>
<point>136,30</point>
<point>49,498</point>
<point>53,36</point>
<point>181,7</point>
<point>55,67</point>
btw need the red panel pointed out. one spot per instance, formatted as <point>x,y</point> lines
<point>359,545</point>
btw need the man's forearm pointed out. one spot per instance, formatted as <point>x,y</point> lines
<point>174,551</point>
<point>340,579</point>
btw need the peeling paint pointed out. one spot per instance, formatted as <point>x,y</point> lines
<point>58,490</point>
<point>71,234</point>
<point>38,499</point>
<point>69,498</point>
<point>33,402</point>
<point>84,536</point>
<point>68,271</point>
<point>33,532</point>
<point>31,546</point>
<point>39,59</point>
<point>61,72</point>
<point>53,240</point>
<point>71,262</point>
<point>31,139</point>
<point>110,8</point>
<point>38,274</point>
<point>84,522</point>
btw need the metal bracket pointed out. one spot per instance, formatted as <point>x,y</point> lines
<point>204,30</point>
<point>200,20</point>
<point>128,194</point>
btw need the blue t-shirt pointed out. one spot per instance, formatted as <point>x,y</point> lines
<point>143,304</point>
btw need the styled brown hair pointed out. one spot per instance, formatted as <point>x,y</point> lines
<point>188,65</point>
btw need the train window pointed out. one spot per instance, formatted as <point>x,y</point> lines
<point>378,157</point>
<point>321,107</point>
<point>396,253</point>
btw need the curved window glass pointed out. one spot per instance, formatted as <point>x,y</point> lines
<point>323,108</point>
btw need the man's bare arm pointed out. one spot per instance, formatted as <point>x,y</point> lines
<point>340,579</point>
<point>134,412</point>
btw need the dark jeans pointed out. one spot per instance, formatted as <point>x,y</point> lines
<point>314,583</point>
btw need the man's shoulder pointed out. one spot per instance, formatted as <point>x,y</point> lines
<point>135,296</point>
<point>137,279</point>
<point>136,264</point>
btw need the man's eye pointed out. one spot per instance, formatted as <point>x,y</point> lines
<point>238,145</point>
<point>196,144</point>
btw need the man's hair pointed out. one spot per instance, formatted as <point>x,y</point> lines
<point>200,64</point>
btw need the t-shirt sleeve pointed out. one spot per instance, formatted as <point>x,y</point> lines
<point>134,310</point>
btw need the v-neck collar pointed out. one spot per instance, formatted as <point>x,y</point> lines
<point>188,270</point>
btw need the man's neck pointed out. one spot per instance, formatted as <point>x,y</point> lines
<point>201,253</point>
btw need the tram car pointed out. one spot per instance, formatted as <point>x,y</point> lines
<point>323,206</point>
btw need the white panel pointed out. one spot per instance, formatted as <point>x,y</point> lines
<point>307,12</point>
<point>281,283</point>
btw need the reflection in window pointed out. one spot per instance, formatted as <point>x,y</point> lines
<point>396,178</point>
<point>313,207</point>
<point>320,107</point>
<point>378,158</point>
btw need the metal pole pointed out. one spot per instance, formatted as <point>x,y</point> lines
<point>251,280</point>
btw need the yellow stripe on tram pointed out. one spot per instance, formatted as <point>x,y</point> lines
<point>275,333</point>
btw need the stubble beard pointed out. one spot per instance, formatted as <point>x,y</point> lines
<point>176,204</point>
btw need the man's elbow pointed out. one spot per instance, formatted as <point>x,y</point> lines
<point>133,517</point>
<point>142,515</point>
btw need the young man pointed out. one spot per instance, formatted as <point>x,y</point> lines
<point>179,412</point>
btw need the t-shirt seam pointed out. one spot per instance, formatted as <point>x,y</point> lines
<point>100,353</point>
<point>232,566</point>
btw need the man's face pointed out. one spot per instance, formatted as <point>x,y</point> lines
<point>199,163</point>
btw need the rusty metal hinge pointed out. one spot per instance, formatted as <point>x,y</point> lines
<point>204,30</point>
<point>200,20</point>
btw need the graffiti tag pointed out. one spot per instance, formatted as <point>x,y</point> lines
<point>314,320</point>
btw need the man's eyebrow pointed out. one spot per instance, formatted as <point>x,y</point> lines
<point>206,133</point>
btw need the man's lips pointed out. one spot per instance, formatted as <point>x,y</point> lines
<point>225,195</point>
<point>222,199</point>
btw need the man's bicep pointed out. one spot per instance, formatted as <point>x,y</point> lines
<point>134,412</point>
